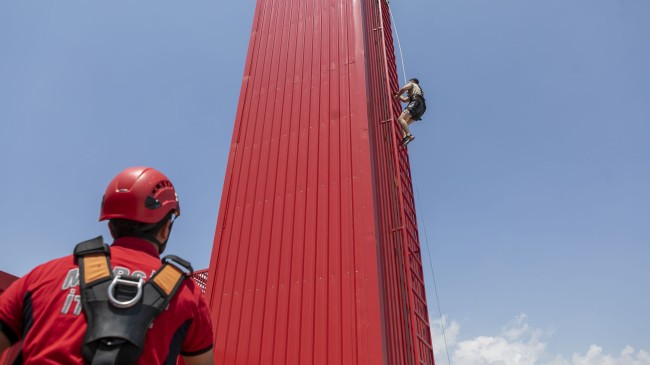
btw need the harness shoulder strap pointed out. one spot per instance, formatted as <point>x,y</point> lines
<point>168,279</point>
<point>93,258</point>
<point>93,245</point>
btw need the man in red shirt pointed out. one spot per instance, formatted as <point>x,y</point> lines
<point>44,308</point>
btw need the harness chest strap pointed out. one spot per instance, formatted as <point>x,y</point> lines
<point>120,309</point>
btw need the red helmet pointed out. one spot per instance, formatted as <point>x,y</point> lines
<point>140,194</point>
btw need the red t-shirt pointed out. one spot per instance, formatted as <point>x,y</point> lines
<point>43,308</point>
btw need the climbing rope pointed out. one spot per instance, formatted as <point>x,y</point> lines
<point>426,237</point>
<point>399,45</point>
<point>435,287</point>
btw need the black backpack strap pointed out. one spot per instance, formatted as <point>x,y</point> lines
<point>120,309</point>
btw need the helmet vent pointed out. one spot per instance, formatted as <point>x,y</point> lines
<point>160,185</point>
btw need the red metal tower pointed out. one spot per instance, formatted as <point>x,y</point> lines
<point>316,255</point>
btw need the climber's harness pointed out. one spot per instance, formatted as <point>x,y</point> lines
<point>420,96</point>
<point>120,308</point>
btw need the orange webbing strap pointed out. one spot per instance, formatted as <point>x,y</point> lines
<point>167,278</point>
<point>92,257</point>
<point>96,267</point>
<point>170,277</point>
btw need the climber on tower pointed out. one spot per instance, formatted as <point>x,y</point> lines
<point>414,110</point>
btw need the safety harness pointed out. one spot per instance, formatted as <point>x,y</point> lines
<point>120,309</point>
<point>413,97</point>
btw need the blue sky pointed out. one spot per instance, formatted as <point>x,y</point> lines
<point>532,164</point>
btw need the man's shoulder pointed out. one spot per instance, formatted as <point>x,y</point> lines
<point>190,289</point>
<point>48,272</point>
<point>55,264</point>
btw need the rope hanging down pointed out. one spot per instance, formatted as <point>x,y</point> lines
<point>435,287</point>
<point>426,237</point>
<point>401,55</point>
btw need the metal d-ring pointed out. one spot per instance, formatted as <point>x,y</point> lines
<point>126,304</point>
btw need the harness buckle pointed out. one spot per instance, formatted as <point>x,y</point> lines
<point>126,281</point>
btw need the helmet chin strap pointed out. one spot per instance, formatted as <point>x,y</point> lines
<point>161,245</point>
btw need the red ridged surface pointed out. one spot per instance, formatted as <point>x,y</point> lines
<point>315,248</point>
<point>404,298</point>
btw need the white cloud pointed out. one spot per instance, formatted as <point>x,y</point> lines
<point>595,356</point>
<point>451,334</point>
<point>518,344</point>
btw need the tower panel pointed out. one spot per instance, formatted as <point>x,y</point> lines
<point>315,257</point>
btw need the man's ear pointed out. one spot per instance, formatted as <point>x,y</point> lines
<point>110,228</point>
<point>163,234</point>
